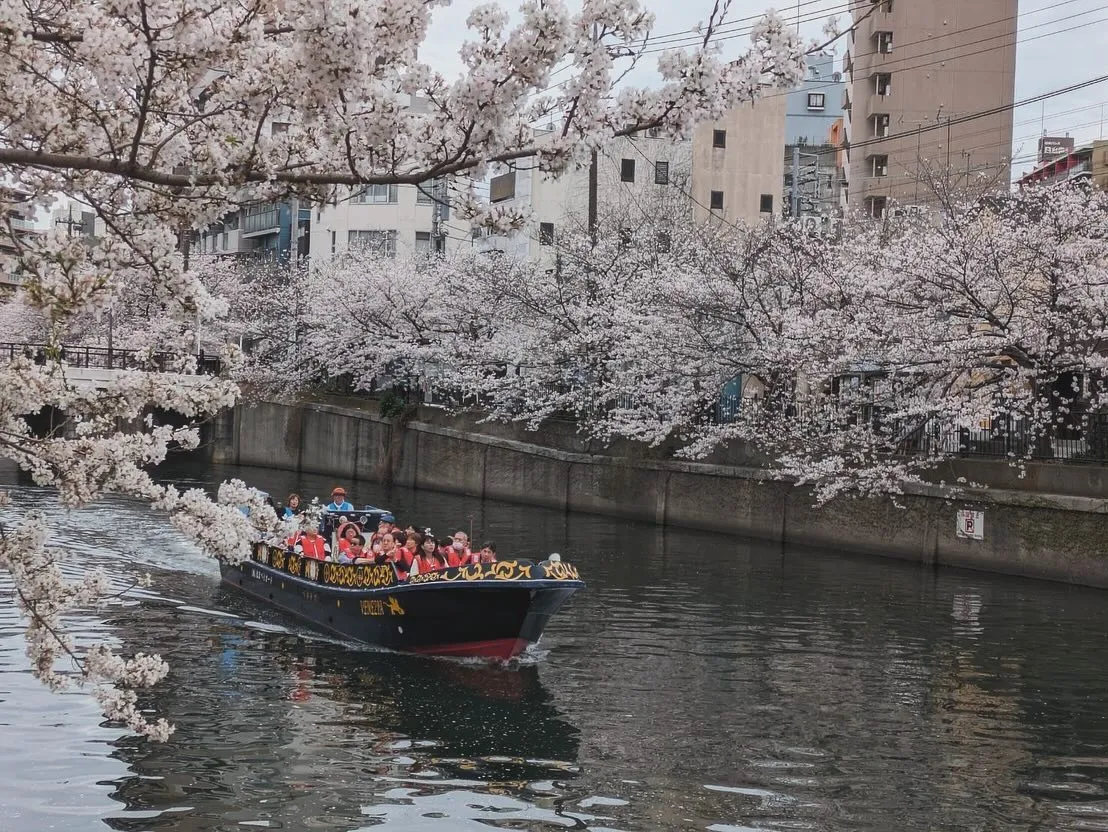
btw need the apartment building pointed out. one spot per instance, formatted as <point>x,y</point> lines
<point>634,175</point>
<point>1087,163</point>
<point>394,219</point>
<point>921,75</point>
<point>17,225</point>
<point>730,170</point>
<point>737,165</point>
<point>811,187</point>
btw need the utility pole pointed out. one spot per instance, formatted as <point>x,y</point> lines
<point>919,159</point>
<point>948,145</point>
<point>593,176</point>
<point>294,237</point>
<point>794,207</point>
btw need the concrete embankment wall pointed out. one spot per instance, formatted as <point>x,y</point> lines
<point>1059,535</point>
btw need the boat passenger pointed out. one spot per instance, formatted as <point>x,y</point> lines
<point>347,533</point>
<point>429,559</point>
<point>383,528</point>
<point>292,506</point>
<point>338,500</point>
<point>397,555</point>
<point>411,543</point>
<point>458,554</point>
<point>311,544</point>
<point>354,552</point>
<point>487,553</point>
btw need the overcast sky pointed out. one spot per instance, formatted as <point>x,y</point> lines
<point>1061,42</point>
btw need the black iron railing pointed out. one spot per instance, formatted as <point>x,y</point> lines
<point>102,358</point>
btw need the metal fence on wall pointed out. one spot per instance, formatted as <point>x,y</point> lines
<point>101,358</point>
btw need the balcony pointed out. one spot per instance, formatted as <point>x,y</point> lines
<point>260,220</point>
<point>877,105</point>
<point>17,224</point>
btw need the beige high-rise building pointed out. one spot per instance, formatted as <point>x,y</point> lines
<point>916,69</point>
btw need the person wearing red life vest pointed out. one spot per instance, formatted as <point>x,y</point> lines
<point>458,553</point>
<point>311,544</point>
<point>348,533</point>
<point>392,552</point>
<point>429,558</point>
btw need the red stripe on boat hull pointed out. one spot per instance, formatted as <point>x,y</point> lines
<point>497,648</point>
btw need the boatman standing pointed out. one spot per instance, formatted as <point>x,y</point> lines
<point>338,500</point>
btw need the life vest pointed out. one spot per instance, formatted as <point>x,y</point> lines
<point>315,548</point>
<point>456,558</point>
<point>422,565</point>
<point>401,559</point>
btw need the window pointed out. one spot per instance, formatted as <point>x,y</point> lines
<point>875,206</point>
<point>881,125</point>
<point>332,242</point>
<point>883,83</point>
<point>884,42</point>
<point>719,138</point>
<point>432,192</point>
<point>224,241</point>
<point>502,187</point>
<point>661,173</point>
<point>664,242</point>
<point>231,221</point>
<point>880,165</point>
<point>277,128</point>
<point>423,242</point>
<point>375,195</point>
<point>816,100</point>
<point>717,201</point>
<point>260,218</point>
<point>546,233</point>
<point>765,204</point>
<point>377,242</point>
<point>627,170</point>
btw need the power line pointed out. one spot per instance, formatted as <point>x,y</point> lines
<point>950,122</point>
<point>747,31</point>
<point>967,28</point>
<point>889,65</point>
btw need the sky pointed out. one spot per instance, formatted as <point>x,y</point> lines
<point>1061,42</point>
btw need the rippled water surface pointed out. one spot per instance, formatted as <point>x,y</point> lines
<point>699,683</point>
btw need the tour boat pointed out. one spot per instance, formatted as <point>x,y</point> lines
<point>492,610</point>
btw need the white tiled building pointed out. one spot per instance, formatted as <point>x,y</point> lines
<point>400,219</point>
<point>731,169</point>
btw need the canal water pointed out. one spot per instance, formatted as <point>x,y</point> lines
<point>700,683</point>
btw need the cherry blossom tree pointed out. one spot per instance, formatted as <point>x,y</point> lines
<point>163,116</point>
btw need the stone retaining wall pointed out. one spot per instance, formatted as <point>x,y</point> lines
<point>1060,535</point>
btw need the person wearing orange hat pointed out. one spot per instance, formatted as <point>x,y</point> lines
<point>338,500</point>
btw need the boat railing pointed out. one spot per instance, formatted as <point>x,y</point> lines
<point>377,576</point>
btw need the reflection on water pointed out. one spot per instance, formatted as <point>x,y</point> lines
<point>699,683</point>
